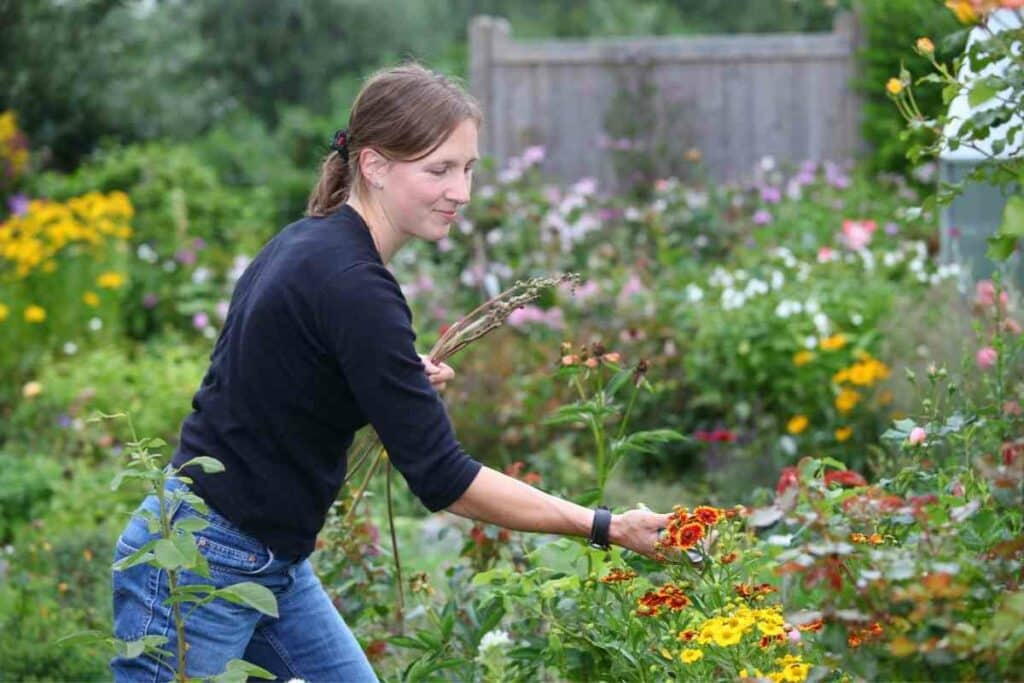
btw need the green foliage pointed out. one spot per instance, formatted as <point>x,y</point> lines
<point>889,29</point>
<point>155,381</point>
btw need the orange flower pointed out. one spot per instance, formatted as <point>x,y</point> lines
<point>686,636</point>
<point>707,515</point>
<point>815,625</point>
<point>669,596</point>
<point>728,558</point>
<point>688,535</point>
<point>618,576</point>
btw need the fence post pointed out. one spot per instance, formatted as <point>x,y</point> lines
<point>847,27</point>
<point>486,35</point>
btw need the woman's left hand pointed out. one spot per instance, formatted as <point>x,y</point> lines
<point>438,374</point>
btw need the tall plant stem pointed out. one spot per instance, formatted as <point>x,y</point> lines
<point>400,614</point>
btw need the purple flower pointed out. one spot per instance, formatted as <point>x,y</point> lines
<point>64,420</point>
<point>150,300</point>
<point>200,320</point>
<point>771,195</point>
<point>891,229</point>
<point>199,244</point>
<point>609,214</point>
<point>762,217</point>
<point>186,257</point>
<point>18,204</point>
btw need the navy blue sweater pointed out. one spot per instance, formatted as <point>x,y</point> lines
<point>318,342</point>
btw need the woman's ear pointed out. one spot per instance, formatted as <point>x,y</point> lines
<point>373,165</point>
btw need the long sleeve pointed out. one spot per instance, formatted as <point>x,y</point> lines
<point>368,325</point>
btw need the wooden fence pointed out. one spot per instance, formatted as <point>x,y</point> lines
<point>610,107</point>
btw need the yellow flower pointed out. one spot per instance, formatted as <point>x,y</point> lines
<point>894,86</point>
<point>963,10</point>
<point>843,434</point>
<point>110,280</point>
<point>834,343</point>
<point>797,424</point>
<point>4,312</point>
<point>35,314</point>
<point>925,46</point>
<point>31,389</point>
<point>691,656</point>
<point>726,636</point>
<point>847,400</point>
<point>802,358</point>
<point>91,299</point>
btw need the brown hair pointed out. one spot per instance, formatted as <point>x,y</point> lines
<point>404,113</point>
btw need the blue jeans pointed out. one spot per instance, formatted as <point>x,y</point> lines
<point>309,639</point>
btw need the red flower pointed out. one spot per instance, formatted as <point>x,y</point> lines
<point>789,476</point>
<point>844,478</point>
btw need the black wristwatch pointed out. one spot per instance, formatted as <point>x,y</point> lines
<point>600,528</point>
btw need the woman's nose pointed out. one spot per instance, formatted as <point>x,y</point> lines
<point>459,190</point>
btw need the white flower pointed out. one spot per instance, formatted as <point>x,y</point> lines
<point>201,275</point>
<point>778,279</point>
<point>70,348</point>
<point>812,306</point>
<point>694,293</point>
<point>856,319</point>
<point>821,323</point>
<point>95,324</point>
<point>811,343</point>
<point>147,253</point>
<point>492,639</point>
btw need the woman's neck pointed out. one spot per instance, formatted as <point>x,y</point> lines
<point>386,237</point>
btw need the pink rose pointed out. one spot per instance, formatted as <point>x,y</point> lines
<point>917,436</point>
<point>986,357</point>
<point>985,294</point>
<point>857,234</point>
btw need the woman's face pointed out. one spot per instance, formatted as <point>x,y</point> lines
<point>422,198</point>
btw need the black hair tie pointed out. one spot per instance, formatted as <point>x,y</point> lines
<point>340,144</point>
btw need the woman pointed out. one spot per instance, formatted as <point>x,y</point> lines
<point>317,343</point>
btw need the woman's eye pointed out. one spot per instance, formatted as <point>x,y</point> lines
<point>438,172</point>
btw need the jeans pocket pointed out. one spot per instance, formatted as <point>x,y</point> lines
<point>227,549</point>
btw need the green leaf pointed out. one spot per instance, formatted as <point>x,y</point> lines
<point>140,556</point>
<point>168,555</point>
<point>191,524</point>
<point>1001,247</point>
<point>1013,217</point>
<point>239,671</point>
<point>407,642</point>
<point>134,648</point>
<point>206,463</point>
<point>981,93</point>
<point>250,594</point>
<point>83,638</point>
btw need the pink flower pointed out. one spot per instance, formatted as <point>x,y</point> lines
<point>532,314</point>
<point>762,217</point>
<point>986,357</point>
<point>857,234</point>
<point>985,294</point>
<point>826,254</point>
<point>917,436</point>
<point>200,320</point>
<point>587,290</point>
<point>794,635</point>
<point>1012,408</point>
<point>633,286</point>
